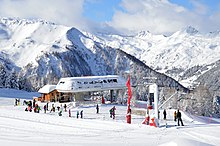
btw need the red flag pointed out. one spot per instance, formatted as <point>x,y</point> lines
<point>128,84</point>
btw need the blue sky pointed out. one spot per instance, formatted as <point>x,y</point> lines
<point>100,10</point>
<point>103,10</point>
<point>213,5</point>
<point>120,16</point>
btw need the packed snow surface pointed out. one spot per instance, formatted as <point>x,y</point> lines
<point>18,127</point>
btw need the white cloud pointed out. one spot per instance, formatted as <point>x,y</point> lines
<point>157,16</point>
<point>66,12</point>
<point>161,16</point>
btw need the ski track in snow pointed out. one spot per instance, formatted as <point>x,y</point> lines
<point>203,134</point>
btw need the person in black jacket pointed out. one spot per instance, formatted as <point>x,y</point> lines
<point>164,114</point>
<point>34,102</point>
<point>179,119</point>
<point>65,106</point>
<point>81,114</point>
<point>97,108</point>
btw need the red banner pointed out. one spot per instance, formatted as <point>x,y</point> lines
<point>128,84</point>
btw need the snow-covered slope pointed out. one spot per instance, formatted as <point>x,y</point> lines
<point>48,129</point>
<point>25,40</point>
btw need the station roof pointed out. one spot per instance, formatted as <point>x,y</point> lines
<point>47,89</point>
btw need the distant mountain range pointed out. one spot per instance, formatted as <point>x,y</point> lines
<point>174,55</point>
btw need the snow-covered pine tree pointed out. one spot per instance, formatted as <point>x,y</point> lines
<point>3,75</point>
<point>203,104</point>
<point>11,80</point>
<point>24,84</point>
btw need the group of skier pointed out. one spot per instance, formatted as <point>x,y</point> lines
<point>111,111</point>
<point>29,105</point>
<point>60,108</point>
<point>177,116</point>
<point>81,114</point>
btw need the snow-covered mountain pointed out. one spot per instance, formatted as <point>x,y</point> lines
<point>41,52</point>
<point>38,47</point>
<point>36,52</point>
<point>172,55</point>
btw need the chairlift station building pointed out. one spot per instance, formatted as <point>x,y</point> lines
<point>77,88</point>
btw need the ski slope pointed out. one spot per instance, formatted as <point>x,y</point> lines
<point>28,128</point>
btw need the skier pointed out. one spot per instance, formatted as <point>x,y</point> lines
<point>47,105</point>
<point>110,111</point>
<point>35,109</point>
<point>158,114</point>
<point>179,119</point>
<point>30,103</point>
<point>60,113</point>
<point>113,112</point>
<point>174,114</point>
<point>69,113</point>
<point>103,100</point>
<point>77,114</point>
<point>29,108</point>
<point>61,107</point>
<point>53,108</point>
<point>45,108</point>
<point>58,108</point>
<point>81,113</point>
<point>38,109</point>
<point>16,102</point>
<point>97,108</point>
<point>164,114</point>
<point>65,107</point>
<point>34,102</point>
<point>25,102</point>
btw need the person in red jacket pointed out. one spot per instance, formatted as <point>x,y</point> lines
<point>113,112</point>
<point>69,113</point>
<point>128,116</point>
<point>103,100</point>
